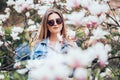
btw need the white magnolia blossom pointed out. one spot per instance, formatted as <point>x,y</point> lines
<point>22,71</point>
<point>96,8</point>
<point>7,43</point>
<point>1,43</point>
<point>3,17</point>
<point>10,2</point>
<point>31,22</point>
<point>90,21</point>
<point>72,3</point>
<point>108,47</point>
<point>106,0</point>
<point>27,14</point>
<point>34,64</point>
<point>48,1</point>
<point>111,21</point>
<point>2,33</point>
<point>15,36</point>
<point>107,72</point>
<point>75,18</point>
<point>0,22</point>
<point>22,5</point>
<point>42,9</point>
<point>99,33</point>
<point>79,58</point>
<point>119,30</point>
<point>101,53</point>
<point>32,28</point>
<point>2,76</point>
<point>87,31</point>
<point>17,64</point>
<point>7,10</point>
<point>102,18</point>
<point>81,74</point>
<point>70,33</point>
<point>86,3</point>
<point>17,29</point>
<point>52,67</point>
<point>116,38</point>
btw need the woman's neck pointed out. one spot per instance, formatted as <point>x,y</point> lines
<point>53,38</point>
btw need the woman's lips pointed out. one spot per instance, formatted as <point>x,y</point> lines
<point>55,27</point>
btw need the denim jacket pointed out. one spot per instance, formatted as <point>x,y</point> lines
<point>41,49</point>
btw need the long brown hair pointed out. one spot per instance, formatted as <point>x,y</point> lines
<point>44,32</point>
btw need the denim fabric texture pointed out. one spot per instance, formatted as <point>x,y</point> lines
<point>41,49</point>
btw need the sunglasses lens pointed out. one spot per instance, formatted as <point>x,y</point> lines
<point>50,22</point>
<point>59,21</point>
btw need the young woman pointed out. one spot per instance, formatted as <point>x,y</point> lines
<point>48,41</point>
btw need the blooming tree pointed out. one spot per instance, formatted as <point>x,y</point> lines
<point>95,24</point>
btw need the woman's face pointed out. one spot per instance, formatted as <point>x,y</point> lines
<point>54,23</point>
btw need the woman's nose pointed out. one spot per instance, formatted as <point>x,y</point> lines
<point>55,22</point>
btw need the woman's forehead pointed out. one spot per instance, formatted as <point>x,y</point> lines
<point>53,15</point>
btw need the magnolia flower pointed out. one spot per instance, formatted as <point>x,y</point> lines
<point>49,1</point>
<point>32,28</point>
<point>52,67</point>
<point>108,47</point>
<point>101,53</point>
<point>86,3</point>
<point>102,18</point>
<point>2,33</point>
<point>17,65</point>
<point>75,18</point>
<point>70,33</point>
<point>22,71</point>
<point>27,14</point>
<point>87,32</point>
<point>119,30</point>
<point>96,8</point>
<point>2,76</point>
<point>90,21</point>
<point>7,10</point>
<point>3,17</point>
<point>99,33</point>
<point>42,9</point>
<point>34,64</point>
<point>15,36</point>
<point>107,72</point>
<point>31,22</point>
<point>77,58</point>
<point>1,43</point>
<point>10,2</point>
<point>106,0</point>
<point>73,3</point>
<point>103,74</point>
<point>81,74</point>
<point>22,5</point>
<point>17,29</point>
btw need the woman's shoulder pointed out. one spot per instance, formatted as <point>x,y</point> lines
<point>40,42</point>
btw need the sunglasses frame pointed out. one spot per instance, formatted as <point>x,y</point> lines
<point>52,21</point>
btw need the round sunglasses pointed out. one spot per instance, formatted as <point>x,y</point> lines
<point>52,22</point>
